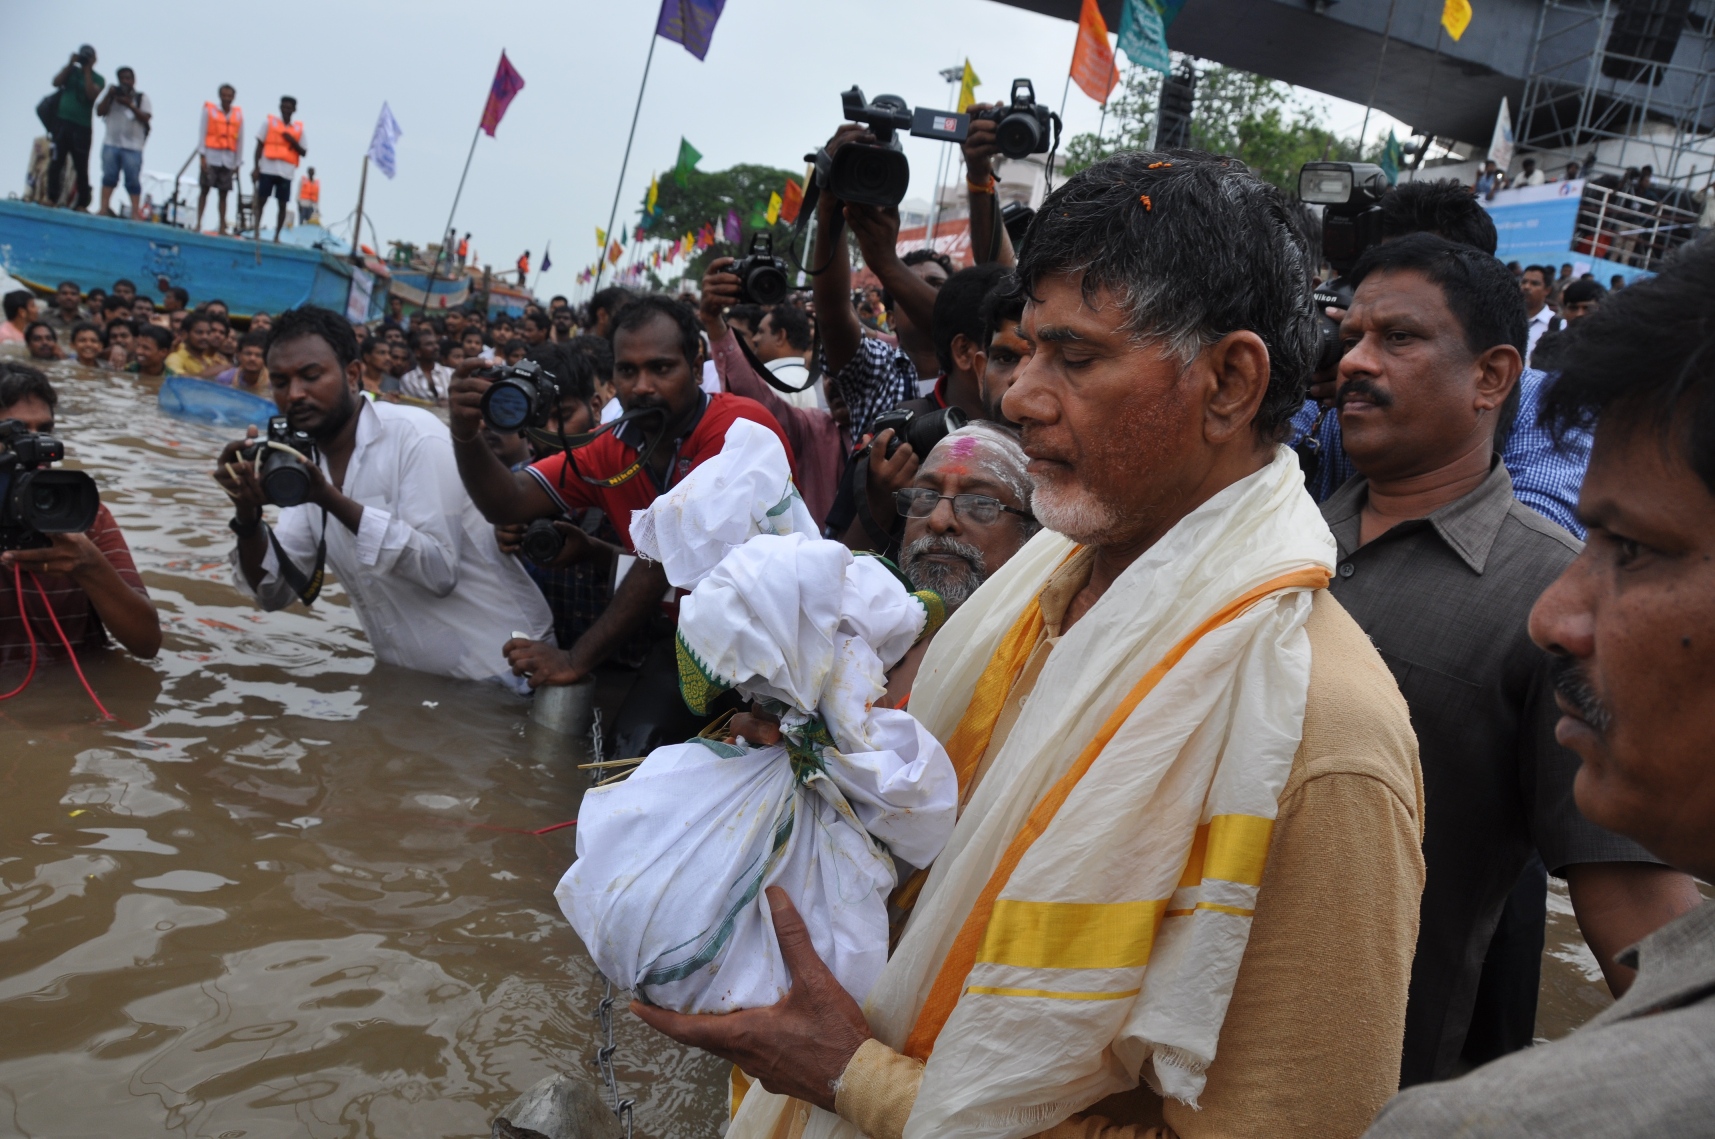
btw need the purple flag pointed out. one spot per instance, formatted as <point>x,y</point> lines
<point>689,22</point>
<point>731,229</point>
<point>507,84</point>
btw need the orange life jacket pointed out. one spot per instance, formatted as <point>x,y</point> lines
<point>225,128</point>
<point>274,142</point>
<point>309,190</point>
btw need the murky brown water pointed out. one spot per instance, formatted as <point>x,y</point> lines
<point>285,896</point>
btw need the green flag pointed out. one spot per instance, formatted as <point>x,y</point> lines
<point>688,156</point>
<point>1392,156</point>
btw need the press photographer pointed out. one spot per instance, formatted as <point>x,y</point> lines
<point>370,491</point>
<point>670,427</point>
<point>62,556</point>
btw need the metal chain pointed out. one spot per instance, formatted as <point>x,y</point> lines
<point>604,1059</point>
<point>595,737</point>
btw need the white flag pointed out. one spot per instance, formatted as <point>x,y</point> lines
<point>381,144</point>
<point>1501,144</point>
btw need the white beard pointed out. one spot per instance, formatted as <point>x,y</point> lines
<point>1067,507</point>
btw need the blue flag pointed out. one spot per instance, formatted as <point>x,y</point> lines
<point>1143,35</point>
<point>382,142</point>
<point>689,22</point>
<point>547,262</point>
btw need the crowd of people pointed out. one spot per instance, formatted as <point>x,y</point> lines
<point>1441,606</point>
<point>81,95</point>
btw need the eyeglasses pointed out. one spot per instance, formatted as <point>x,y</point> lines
<point>920,502</point>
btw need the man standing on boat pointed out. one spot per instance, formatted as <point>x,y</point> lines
<point>278,149</point>
<point>222,133</point>
<point>309,196</point>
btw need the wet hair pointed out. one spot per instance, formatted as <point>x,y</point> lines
<point>16,302</point>
<point>1646,358</point>
<point>1582,291</point>
<point>600,352</point>
<point>259,339</point>
<point>1193,246</point>
<point>640,311</point>
<point>573,372</point>
<point>19,382</point>
<point>1446,208</point>
<point>1004,302</point>
<point>791,322</point>
<point>312,320</point>
<point>162,338</point>
<point>959,309</point>
<point>1479,291</point>
<point>87,326</point>
<point>30,329</point>
<point>919,256</point>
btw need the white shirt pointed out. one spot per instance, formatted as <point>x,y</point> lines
<point>1534,178</point>
<point>423,571</point>
<point>1534,330</point>
<point>123,129</point>
<point>432,387</point>
<point>792,372</point>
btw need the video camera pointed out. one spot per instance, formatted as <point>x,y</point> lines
<point>878,174</point>
<point>761,275</point>
<point>34,502</point>
<point>283,455</point>
<point>1348,193</point>
<point>522,395</point>
<point>1022,126</point>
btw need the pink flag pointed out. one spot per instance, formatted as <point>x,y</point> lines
<point>507,84</point>
<point>733,232</point>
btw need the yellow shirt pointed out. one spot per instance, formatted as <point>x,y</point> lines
<point>1311,1041</point>
<point>186,363</point>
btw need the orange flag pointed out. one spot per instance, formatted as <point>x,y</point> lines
<point>1093,66</point>
<point>791,202</point>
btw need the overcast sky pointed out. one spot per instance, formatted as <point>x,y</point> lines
<point>768,93</point>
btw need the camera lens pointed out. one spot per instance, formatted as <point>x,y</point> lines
<point>542,542</point>
<point>1018,136</point>
<point>284,480</point>
<point>765,285</point>
<point>57,502</point>
<point>506,405</point>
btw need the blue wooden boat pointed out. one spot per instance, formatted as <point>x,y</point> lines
<point>205,401</point>
<point>43,246</point>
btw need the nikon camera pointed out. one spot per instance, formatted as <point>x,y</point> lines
<point>921,429</point>
<point>35,502</point>
<point>1022,126</point>
<point>284,480</point>
<point>522,395</point>
<point>761,275</point>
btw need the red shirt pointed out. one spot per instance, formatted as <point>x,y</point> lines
<point>70,604</point>
<point>610,454</point>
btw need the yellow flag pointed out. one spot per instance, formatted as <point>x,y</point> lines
<point>1456,17</point>
<point>654,190</point>
<point>773,211</point>
<point>969,84</point>
<point>600,237</point>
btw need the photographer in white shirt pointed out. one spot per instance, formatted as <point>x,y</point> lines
<point>386,513</point>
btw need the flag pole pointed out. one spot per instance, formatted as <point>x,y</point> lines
<point>436,268</point>
<point>357,228</point>
<point>601,265</point>
<point>1375,84</point>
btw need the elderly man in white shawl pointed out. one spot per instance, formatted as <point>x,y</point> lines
<point>1182,896</point>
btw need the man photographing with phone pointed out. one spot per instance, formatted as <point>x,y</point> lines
<point>370,491</point>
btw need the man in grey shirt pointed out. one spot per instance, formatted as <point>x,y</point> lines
<point>1440,564</point>
<point>1631,627</point>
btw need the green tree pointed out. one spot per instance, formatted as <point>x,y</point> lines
<point>1254,119</point>
<point>705,199</point>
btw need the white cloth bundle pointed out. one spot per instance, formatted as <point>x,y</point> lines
<point>667,889</point>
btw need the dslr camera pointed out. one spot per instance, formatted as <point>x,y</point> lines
<point>761,275</point>
<point>281,457</point>
<point>522,395</point>
<point>1349,193</point>
<point>542,542</point>
<point>1022,126</point>
<point>877,174</point>
<point>84,54</point>
<point>35,502</point>
<point>921,429</point>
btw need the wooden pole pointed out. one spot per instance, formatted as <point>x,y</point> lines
<point>429,286</point>
<point>357,228</point>
<point>626,161</point>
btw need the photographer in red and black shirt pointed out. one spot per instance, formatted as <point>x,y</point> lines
<point>87,582</point>
<point>658,361</point>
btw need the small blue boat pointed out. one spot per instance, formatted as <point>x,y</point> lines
<point>208,402</point>
<point>42,246</point>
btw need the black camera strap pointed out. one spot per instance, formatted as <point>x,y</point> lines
<point>307,588</point>
<point>570,443</point>
<point>762,370</point>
